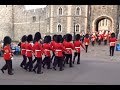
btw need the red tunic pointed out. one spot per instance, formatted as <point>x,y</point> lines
<point>86,41</point>
<point>105,37</point>
<point>77,45</point>
<point>29,49</point>
<point>99,36</point>
<point>58,49</point>
<point>37,49</point>
<point>112,41</point>
<point>93,38</point>
<point>7,53</point>
<point>46,48</point>
<point>69,47</point>
<point>23,48</point>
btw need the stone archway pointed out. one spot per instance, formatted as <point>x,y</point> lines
<point>96,24</point>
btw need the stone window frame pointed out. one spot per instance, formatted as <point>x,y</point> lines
<point>58,27</point>
<point>77,26</point>
<point>34,18</point>
<point>60,11</point>
<point>76,11</point>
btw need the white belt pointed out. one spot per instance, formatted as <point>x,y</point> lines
<point>77,47</point>
<point>23,49</point>
<point>112,42</point>
<point>47,50</point>
<point>6,53</point>
<point>28,50</point>
<point>68,48</point>
<point>37,50</point>
<point>58,50</point>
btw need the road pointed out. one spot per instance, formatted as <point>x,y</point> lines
<point>96,68</point>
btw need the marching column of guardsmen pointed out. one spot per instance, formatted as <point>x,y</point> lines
<point>57,52</point>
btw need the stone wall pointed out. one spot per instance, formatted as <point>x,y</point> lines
<point>104,10</point>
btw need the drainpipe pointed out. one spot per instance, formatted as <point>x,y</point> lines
<point>12,22</point>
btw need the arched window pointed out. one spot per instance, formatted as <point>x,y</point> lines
<point>77,28</point>
<point>106,22</point>
<point>59,28</point>
<point>60,11</point>
<point>78,11</point>
<point>34,18</point>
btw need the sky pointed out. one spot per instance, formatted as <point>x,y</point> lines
<point>28,7</point>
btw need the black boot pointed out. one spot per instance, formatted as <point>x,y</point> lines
<point>39,72</point>
<point>10,73</point>
<point>34,70</point>
<point>54,68</point>
<point>2,70</point>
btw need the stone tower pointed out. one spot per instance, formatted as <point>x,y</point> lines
<point>6,21</point>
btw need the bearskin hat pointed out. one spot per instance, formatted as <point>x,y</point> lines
<point>30,38</point>
<point>87,36</point>
<point>37,37</point>
<point>59,38</point>
<point>49,38</point>
<point>68,37</point>
<point>77,37</point>
<point>7,40</point>
<point>24,38</point>
<point>46,39</point>
<point>112,35</point>
<point>54,37</point>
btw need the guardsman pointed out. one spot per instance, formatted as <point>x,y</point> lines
<point>29,53</point>
<point>105,38</point>
<point>58,50</point>
<point>47,52</point>
<point>38,51</point>
<point>86,42</point>
<point>64,54</point>
<point>77,45</point>
<point>35,59</point>
<point>52,44</point>
<point>93,39</point>
<point>7,55</point>
<point>23,50</point>
<point>112,42</point>
<point>99,39</point>
<point>69,47</point>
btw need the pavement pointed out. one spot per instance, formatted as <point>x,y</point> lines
<point>96,68</point>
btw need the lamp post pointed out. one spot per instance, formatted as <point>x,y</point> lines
<point>74,28</point>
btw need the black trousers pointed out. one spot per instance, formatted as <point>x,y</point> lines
<point>38,65</point>
<point>53,56</point>
<point>112,50</point>
<point>99,42</point>
<point>69,59</point>
<point>86,48</point>
<point>58,60</point>
<point>24,61</point>
<point>75,55</point>
<point>46,61</point>
<point>34,60</point>
<point>105,42</point>
<point>8,66</point>
<point>29,64</point>
<point>93,43</point>
<point>64,59</point>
